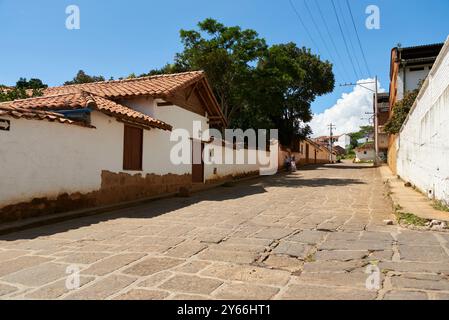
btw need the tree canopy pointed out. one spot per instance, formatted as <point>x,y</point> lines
<point>257,86</point>
<point>363,132</point>
<point>82,77</point>
<point>23,89</point>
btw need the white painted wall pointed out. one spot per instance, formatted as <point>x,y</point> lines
<point>46,159</point>
<point>364,155</point>
<point>39,158</point>
<point>344,141</point>
<point>411,78</point>
<point>216,160</point>
<point>423,143</point>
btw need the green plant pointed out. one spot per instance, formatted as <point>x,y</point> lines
<point>400,112</point>
<point>411,219</point>
<point>441,206</point>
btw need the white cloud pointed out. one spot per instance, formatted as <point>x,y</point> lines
<point>348,112</point>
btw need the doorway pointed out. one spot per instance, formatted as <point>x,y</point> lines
<point>197,162</point>
<point>307,153</point>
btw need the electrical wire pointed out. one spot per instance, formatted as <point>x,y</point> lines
<point>349,37</point>
<point>304,26</point>
<point>344,39</point>
<point>358,38</point>
<point>319,32</point>
<point>331,39</point>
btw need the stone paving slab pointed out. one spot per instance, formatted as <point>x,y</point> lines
<point>310,292</point>
<point>191,284</point>
<point>102,289</point>
<point>238,291</point>
<point>307,235</point>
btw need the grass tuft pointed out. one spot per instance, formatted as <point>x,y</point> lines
<point>411,219</point>
<point>439,205</point>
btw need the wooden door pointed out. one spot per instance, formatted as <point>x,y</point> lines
<point>132,148</point>
<point>197,162</point>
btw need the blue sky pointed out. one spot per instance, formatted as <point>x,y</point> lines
<point>120,37</point>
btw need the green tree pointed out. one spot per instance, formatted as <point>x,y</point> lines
<point>167,69</point>
<point>82,77</point>
<point>364,132</point>
<point>23,89</point>
<point>288,80</point>
<point>256,86</point>
<point>228,55</point>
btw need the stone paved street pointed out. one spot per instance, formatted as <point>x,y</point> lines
<point>309,235</point>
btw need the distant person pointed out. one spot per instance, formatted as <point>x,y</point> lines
<point>287,163</point>
<point>293,164</point>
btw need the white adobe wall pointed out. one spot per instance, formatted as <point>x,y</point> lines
<point>423,143</point>
<point>44,159</point>
<point>361,156</point>
<point>39,158</point>
<point>226,170</point>
<point>344,141</point>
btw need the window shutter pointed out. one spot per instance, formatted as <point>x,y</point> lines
<point>132,149</point>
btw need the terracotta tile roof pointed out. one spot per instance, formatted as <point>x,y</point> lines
<point>71,101</point>
<point>123,112</point>
<point>30,114</point>
<point>81,100</point>
<point>157,86</point>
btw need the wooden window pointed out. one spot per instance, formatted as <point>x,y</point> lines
<point>132,149</point>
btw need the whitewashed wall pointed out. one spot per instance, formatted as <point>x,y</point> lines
<point>41,159</point>
<point>423,144</point>
<point>215,161</point>
<point>344,141</point>
<point>366,155</point>
<point>44,159</point>
<point>411,78</point>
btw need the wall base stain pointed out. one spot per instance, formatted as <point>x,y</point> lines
<point>115,188</point>
<point>220,179</point>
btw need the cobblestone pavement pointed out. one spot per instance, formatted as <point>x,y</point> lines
<point>310,235</point>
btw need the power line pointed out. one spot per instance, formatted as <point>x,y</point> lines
<point>344,39</point>
<point>331,38</point>
<point>358,38</point>
<point>348,33</point>
<point>318,30</point>
<point>304,25</point>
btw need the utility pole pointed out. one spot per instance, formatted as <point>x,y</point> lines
<point>376,123</point>
<point>376,112</point>
<point>331,141</point>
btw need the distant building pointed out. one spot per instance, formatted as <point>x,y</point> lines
<point>343,140</point>
<point>339,151</point>
<point>383,113</point>
<point>365,153</point>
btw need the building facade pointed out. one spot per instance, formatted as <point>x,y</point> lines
<point>409,66</point>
